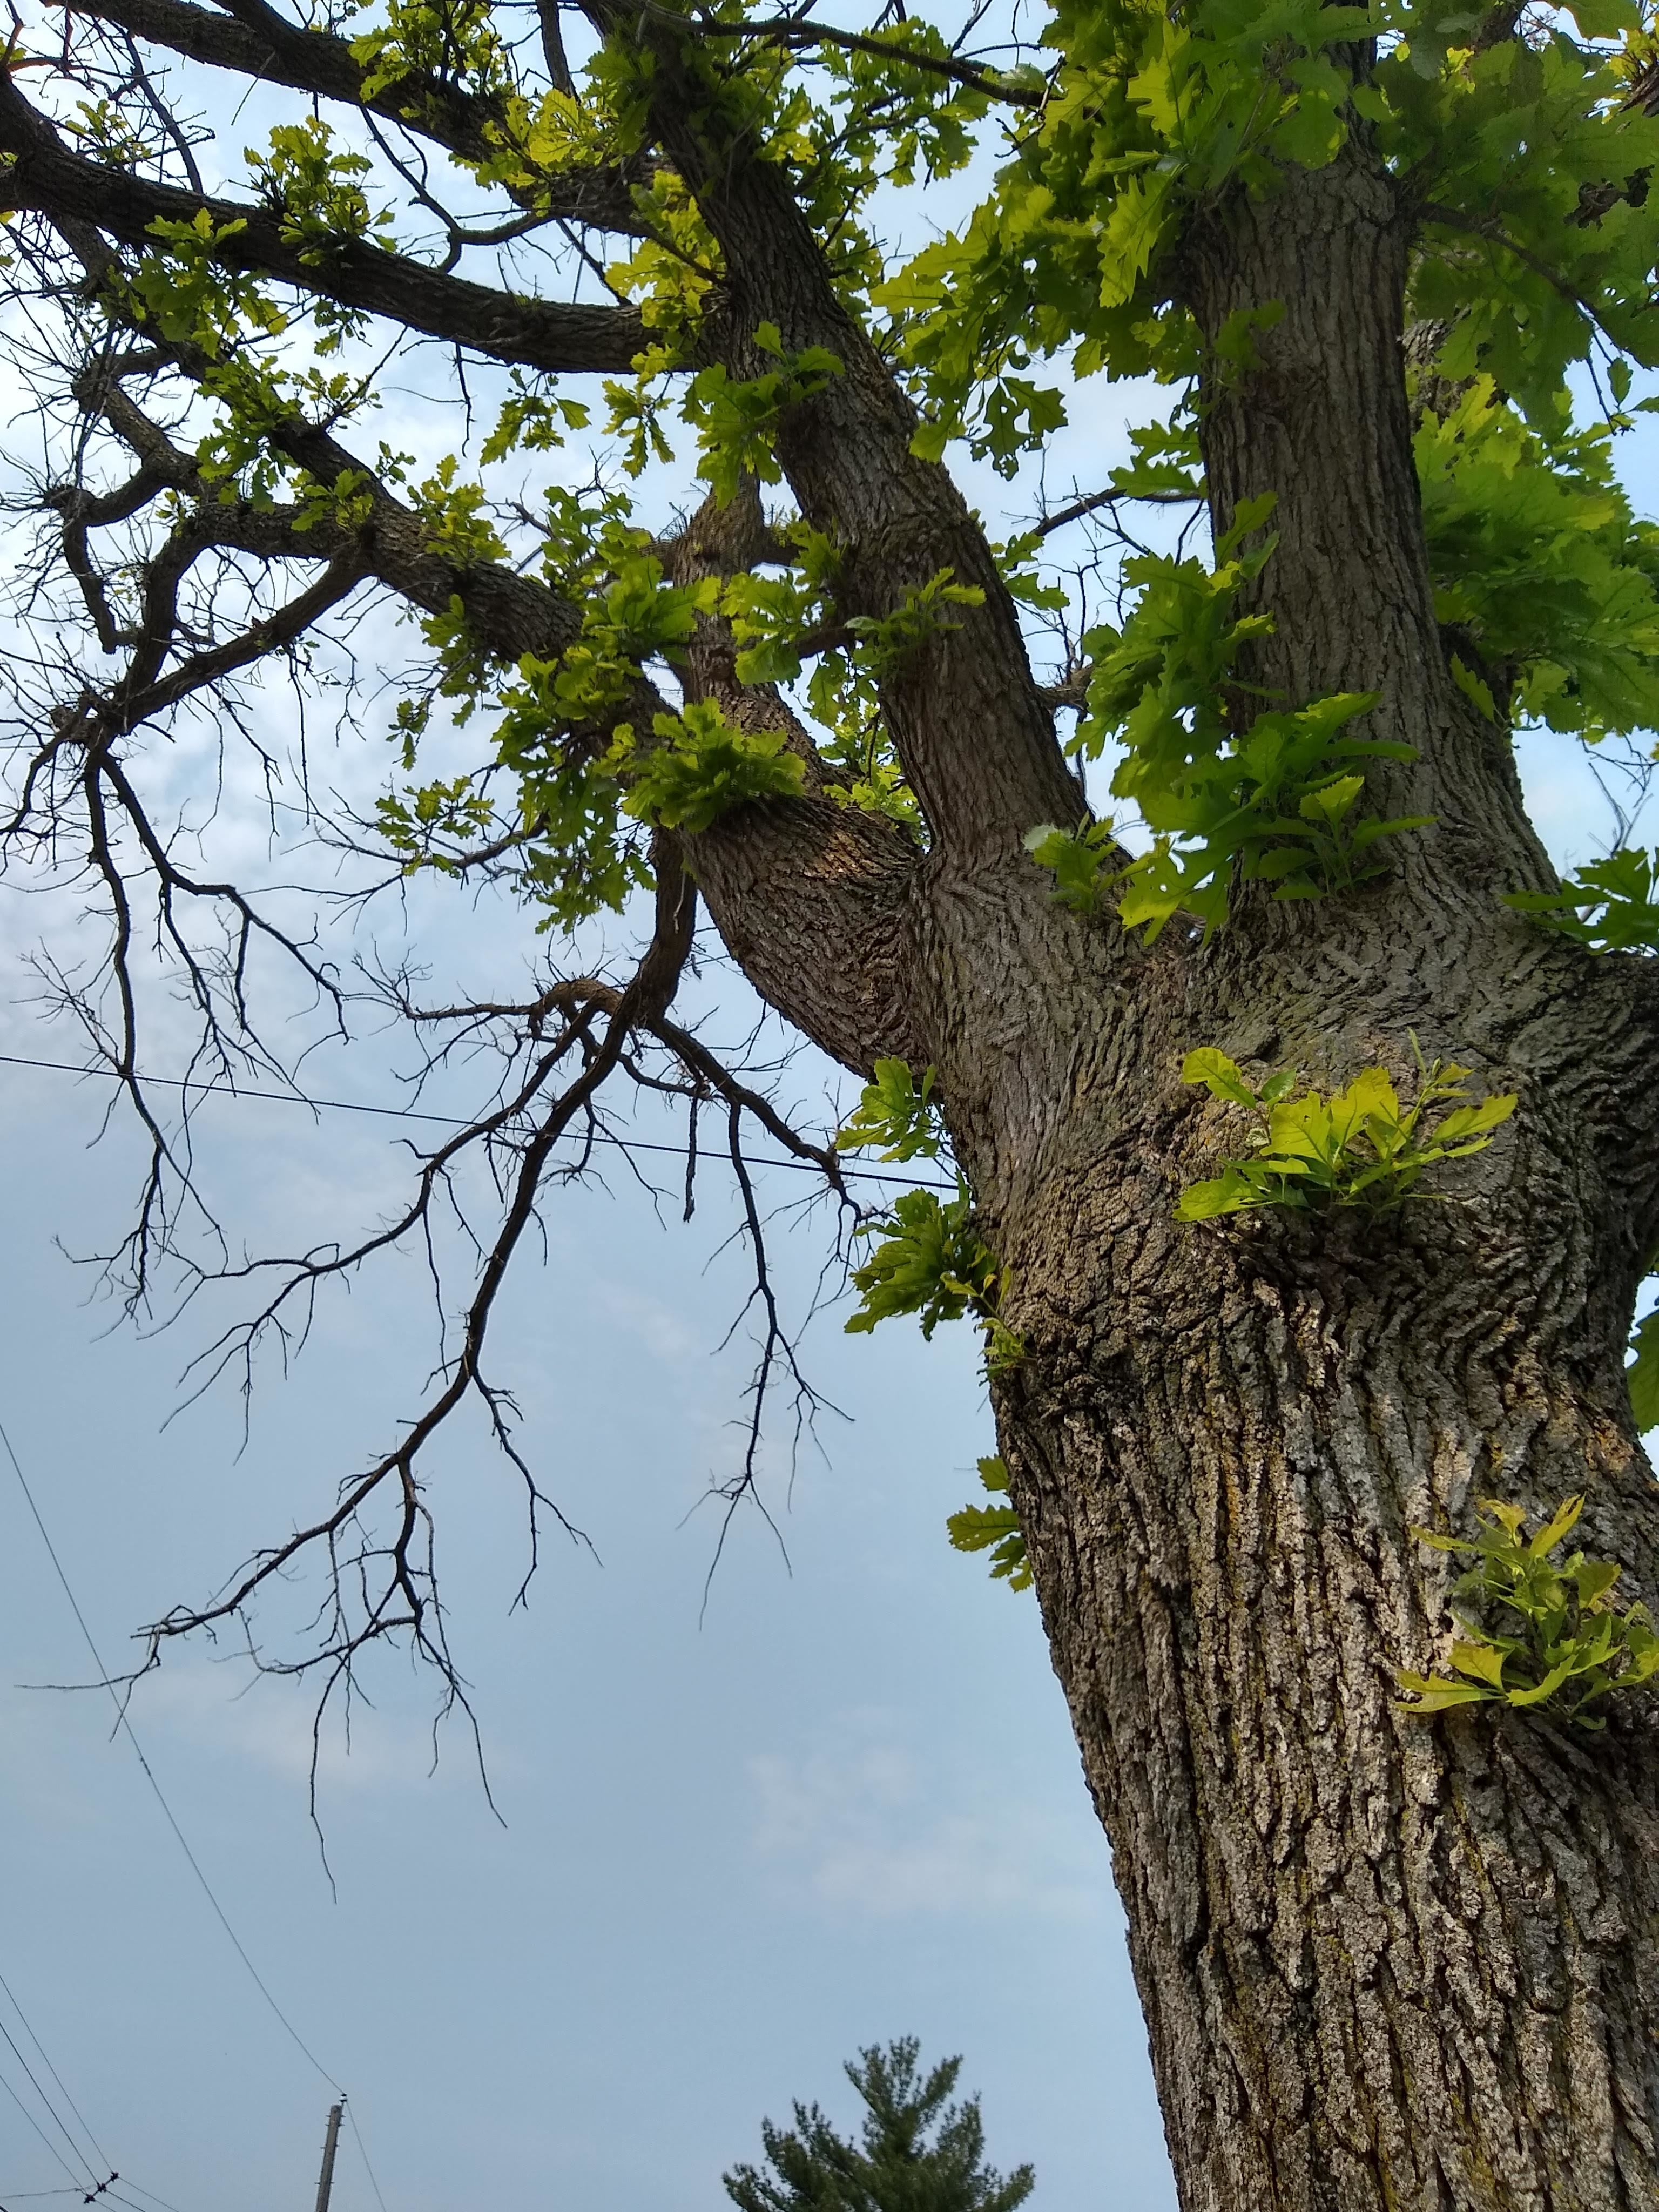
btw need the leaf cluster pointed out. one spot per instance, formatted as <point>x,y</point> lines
<point>895,1117</point>
<point>929,1259</point>
<point>736,419</point>
<point>1641,1375</point>
<point>700,767</point>
<point>1509,148</point>
<point>892,639</point>
<point>994,1529</point>
<point>1610,905</point>
<point>778,620</point>
<point>1355,1147</point>
<point>1275,801</point>
<point>316,189</point>
<point>454,41</point>
<point>1541,566</point>
<point>1149,114</point>
<point>185,290</point>
<point>1540,1634</point>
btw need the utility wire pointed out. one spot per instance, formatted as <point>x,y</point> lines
<point>150,2193</point>
<point>88,2194</point>
<point>362,2150</point>
<point>80,2186</point>
<point>454,1120</point>
<point>628,1145</point>
<point>51,2109</point>
<point>102,2155</point>
<point>126,1725</point>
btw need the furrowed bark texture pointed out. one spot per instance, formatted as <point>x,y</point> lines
<point>1321,422</point>
<point>1386,1961</point>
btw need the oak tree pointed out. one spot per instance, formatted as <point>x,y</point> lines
<point>1162,868</point>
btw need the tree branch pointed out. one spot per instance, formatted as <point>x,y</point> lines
<point>977,745</point>
<point>263,45</point>
<point>811,897</point>
<point>570,337</point>
<point>792,32</point>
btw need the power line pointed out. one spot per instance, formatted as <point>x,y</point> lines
<point>51,2109</point>
<point>126,1725</point>
<point>102,2155</point>
<point>362,2152</point>
<point>88,2195</point>
<point>80,2186</point>
<point>453,1120</point>
<point>150,2193</point>
<point>626,1145</point>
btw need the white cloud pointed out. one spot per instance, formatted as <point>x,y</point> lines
<point>866,1829</point>
<point>270,1724</point>
<point>664,1332</point>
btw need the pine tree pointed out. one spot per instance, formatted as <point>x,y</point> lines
<point>915,2153</point>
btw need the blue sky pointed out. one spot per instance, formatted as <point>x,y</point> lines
<point>844,1807</point>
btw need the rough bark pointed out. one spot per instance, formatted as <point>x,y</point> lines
<point>1385,1961</point>
<point>1322,421</point>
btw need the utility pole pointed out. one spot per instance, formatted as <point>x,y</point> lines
<point>325,2179</point>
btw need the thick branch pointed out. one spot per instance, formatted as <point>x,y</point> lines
<point>814,872</point>
<point>279,52</point>
<point>800,35</point>
<point>976,742</point>
<point>572,336</point>
<point>266,47</point>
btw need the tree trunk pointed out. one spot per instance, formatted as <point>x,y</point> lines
<point>1387,1961</point>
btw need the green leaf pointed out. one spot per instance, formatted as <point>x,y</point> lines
<point>1081,863</point>
<point>1558,1627</point>
<point>1511,1518</point>
<point>1594,1579</point>
<point>1539,1693</point>
<point>1220,1076</point>
<point>1563,1523</point>
<point>895,1116</point>
<point>928,1260</point>
<point>1206,1201</point>
<point>1436,1693</point>
<point>1641,1375</point>
<point>1441,1543</point>
<point>702,767</point>
<point>994,1528</point>
<point>1484,1662</point>
<point>1473,687</point>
